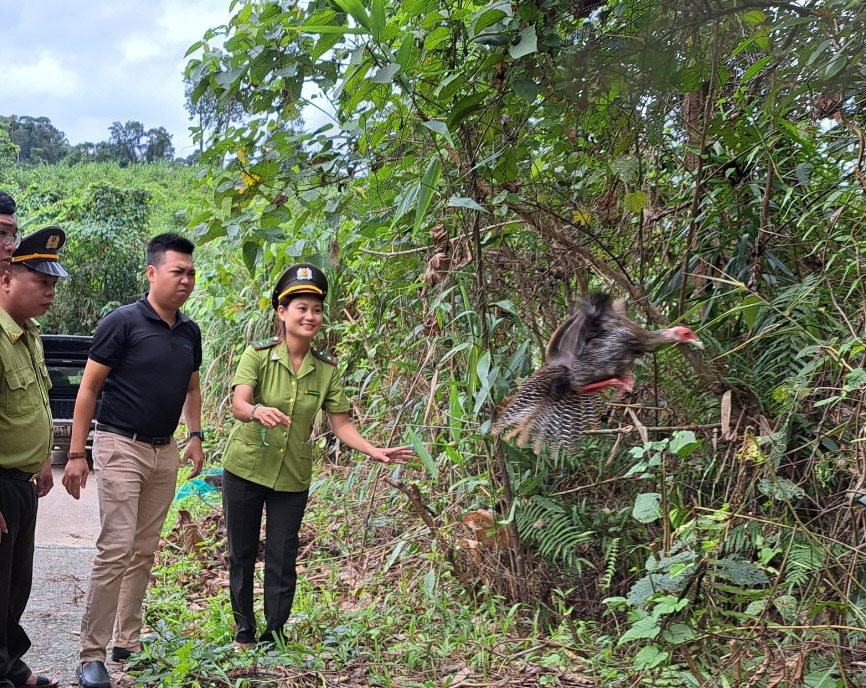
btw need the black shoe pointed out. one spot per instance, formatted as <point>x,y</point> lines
<point>93,675</point>
<point>121,654</point>
<point>272,638</point>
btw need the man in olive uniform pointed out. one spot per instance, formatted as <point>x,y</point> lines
<point>27,284</point>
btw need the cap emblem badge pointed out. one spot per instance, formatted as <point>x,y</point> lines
<point>53,241</point>
<point>305,274</point>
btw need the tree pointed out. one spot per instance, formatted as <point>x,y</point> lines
<point>127,141</point>
<point>159,146</point>
<point>38,140</point>
<point>208,113</point>
<point>8,149</point>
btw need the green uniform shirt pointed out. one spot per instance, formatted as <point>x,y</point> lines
<point>282,458</point>
<point>26,426</point>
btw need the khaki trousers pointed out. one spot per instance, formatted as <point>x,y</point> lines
<point>136,484</point>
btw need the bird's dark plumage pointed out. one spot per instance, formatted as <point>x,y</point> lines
<point>595,346</point>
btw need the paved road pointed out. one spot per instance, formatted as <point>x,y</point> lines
<point>65,545</point>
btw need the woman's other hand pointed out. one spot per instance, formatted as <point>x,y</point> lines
<point>398,455</point>
<point>271,417</point>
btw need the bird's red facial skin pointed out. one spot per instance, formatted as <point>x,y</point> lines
<point>685,334</point>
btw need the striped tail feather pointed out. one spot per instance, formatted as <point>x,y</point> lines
<point>546,410</point>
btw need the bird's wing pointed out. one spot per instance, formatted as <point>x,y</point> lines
<point>567,342</point>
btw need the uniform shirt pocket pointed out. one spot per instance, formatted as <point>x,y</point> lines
<point>22,395</point>
<point>305,463</point>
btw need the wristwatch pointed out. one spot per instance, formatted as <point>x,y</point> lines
<point>196,433</point>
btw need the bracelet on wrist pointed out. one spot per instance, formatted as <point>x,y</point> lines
<point>253,412</point>
<point>71,456</point>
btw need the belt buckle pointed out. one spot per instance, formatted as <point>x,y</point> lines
<point>33,478</point>
<point>161,441</point>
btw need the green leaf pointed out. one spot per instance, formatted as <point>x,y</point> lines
<point>527,89</point>
<point>464,107</point>
<point>649,658</point>
<point>356,9</point>
<point>436,37</point>
<point>786,605</point>
<point>385,75</point>
<point>647,627</point>
<point>405,200</point>
<point>755,69</point>
<point>425,193</point>
<point>428,584</point>
<point>526,45</point>
<point>780,489</point>
<point>450,86</point>
<point>440,128</point>
<point>678,633</point>
<point>395,553</point>
<point>378,22</point>
<point>407,54</point>
<point>494,39</point>
<point>756,607</point>
<point>835,65</point>
<point>464,202</point>
<point>635,201</point>
<point>251,252</point>
<point>683,443</point>
<point>647,507</point>
<point>324,28</point>
<point>486,17</point>
<point>195,46</point>
<point>741,572</point>
<point>750,306</point>
<point>421,451</point>
<point>324,44</point>
<point>754,17</point>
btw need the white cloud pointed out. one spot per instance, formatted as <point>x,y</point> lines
<point>87,65</point>
<point>47,75</point>
<point>139,48</point>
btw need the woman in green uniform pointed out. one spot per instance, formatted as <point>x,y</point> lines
<point>280,385</point>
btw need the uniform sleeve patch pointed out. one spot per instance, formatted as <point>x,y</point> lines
<point>265,343</point>
<point>326,357</point>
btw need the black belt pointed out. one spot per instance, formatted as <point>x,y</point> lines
<point>135,436</point>
<point>16,474</point>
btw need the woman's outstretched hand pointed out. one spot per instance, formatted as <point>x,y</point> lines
<point>398,455</point>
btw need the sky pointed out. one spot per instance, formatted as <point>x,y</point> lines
<point>85,65</point>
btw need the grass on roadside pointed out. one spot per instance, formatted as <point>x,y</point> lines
<point>375,611</point>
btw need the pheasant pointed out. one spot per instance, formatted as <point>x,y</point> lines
<point>593,350</point>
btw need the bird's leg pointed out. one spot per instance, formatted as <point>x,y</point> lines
<point>624,383</point>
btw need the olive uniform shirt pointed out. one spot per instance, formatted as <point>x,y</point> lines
<point>26,426</point>
<point>282,457</point>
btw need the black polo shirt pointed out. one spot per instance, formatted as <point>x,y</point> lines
<point>151,364</point>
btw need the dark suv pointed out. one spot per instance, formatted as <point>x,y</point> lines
<point>65,357</point>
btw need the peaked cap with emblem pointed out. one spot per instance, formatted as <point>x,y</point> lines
<point>303,278</point>
<point>38,251</point>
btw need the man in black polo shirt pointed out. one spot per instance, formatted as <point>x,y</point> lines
<point>147,354</point>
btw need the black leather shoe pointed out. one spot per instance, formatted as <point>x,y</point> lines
<point>93,675</point>
<point>120,654</point>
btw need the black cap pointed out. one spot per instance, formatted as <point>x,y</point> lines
<point>38,251</point>
<point>303,278</point>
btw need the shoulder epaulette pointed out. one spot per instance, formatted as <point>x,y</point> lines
<point>265,343</point>
<point>322,356</point>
